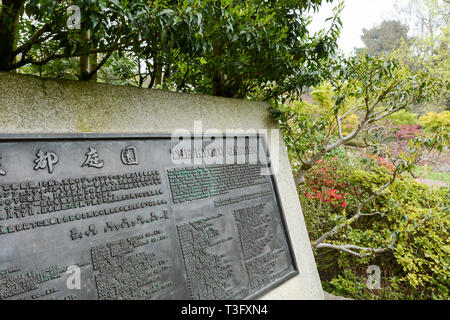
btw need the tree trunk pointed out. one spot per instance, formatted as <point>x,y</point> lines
<point>92,65</point>
<point>300,176</point>
<point>218,77</point>
<point>158,74</point>
<point>166,74</point>
<point>9,18</point>
<point>84,57</point>
<point>218,85</point>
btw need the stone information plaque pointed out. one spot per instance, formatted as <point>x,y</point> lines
<point>139,217</point>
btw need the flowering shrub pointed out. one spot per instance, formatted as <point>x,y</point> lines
<point>325,184</point>
<point>408,131</point>
<point>409,218</point>
<point>384,163</point>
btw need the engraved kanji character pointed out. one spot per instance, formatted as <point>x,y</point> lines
<point>45,160</point>
<point>92,159</point>
<point>129,155</point>
<point>2,172</point>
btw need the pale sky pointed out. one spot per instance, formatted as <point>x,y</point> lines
<point>357,14</point>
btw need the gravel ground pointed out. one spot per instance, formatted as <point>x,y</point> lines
<point>430,182</point>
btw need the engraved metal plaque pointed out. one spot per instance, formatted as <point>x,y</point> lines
<point>139,217</point>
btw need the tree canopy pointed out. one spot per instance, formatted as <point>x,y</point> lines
<point>243,49</point>
<point>385,37</point>
<point>418,38</point>
<point>429,48</point>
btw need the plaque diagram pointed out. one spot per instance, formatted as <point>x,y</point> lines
<point>105,217</point>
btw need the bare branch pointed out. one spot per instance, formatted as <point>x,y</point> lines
<point>349,248</point>
<point>371,214</point>
<point>342,140</point>
<point>349,111</point>
<point>291,134</point>
<point>385,113</point>
<point>338,121</point>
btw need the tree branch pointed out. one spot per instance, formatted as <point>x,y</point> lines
<point>51,57</point>
<point>338,121</point>
<point>99,65</point>
<point>349,111</point>
<point>348,248</point>
<point>24,48</point>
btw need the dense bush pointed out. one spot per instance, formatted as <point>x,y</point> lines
<point>410,218</point>
<point>408,131</point>
<point>433,121</point>
<point>404,117</point>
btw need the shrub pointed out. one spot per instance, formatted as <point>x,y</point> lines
<point>412,220</point>
<point>433,121</point>
<point>404,117</point>
<point>408,131</point>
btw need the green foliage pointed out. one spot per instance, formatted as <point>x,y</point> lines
<point>348,284</point>
<point>115,27</point>
<point>383,81</point>
<point>436,122</point>
<point>361,91</point>
<point>322,108</point>
<point>371,205</point>
<point>322,103</point>
<point>404,117</point>
<point>244,49</point>
<point>423,246</point>
<point>256,50</point>
<point>412,220</point>
<point>428,49</point>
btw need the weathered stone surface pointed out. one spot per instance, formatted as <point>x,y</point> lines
<point>30,104</point>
